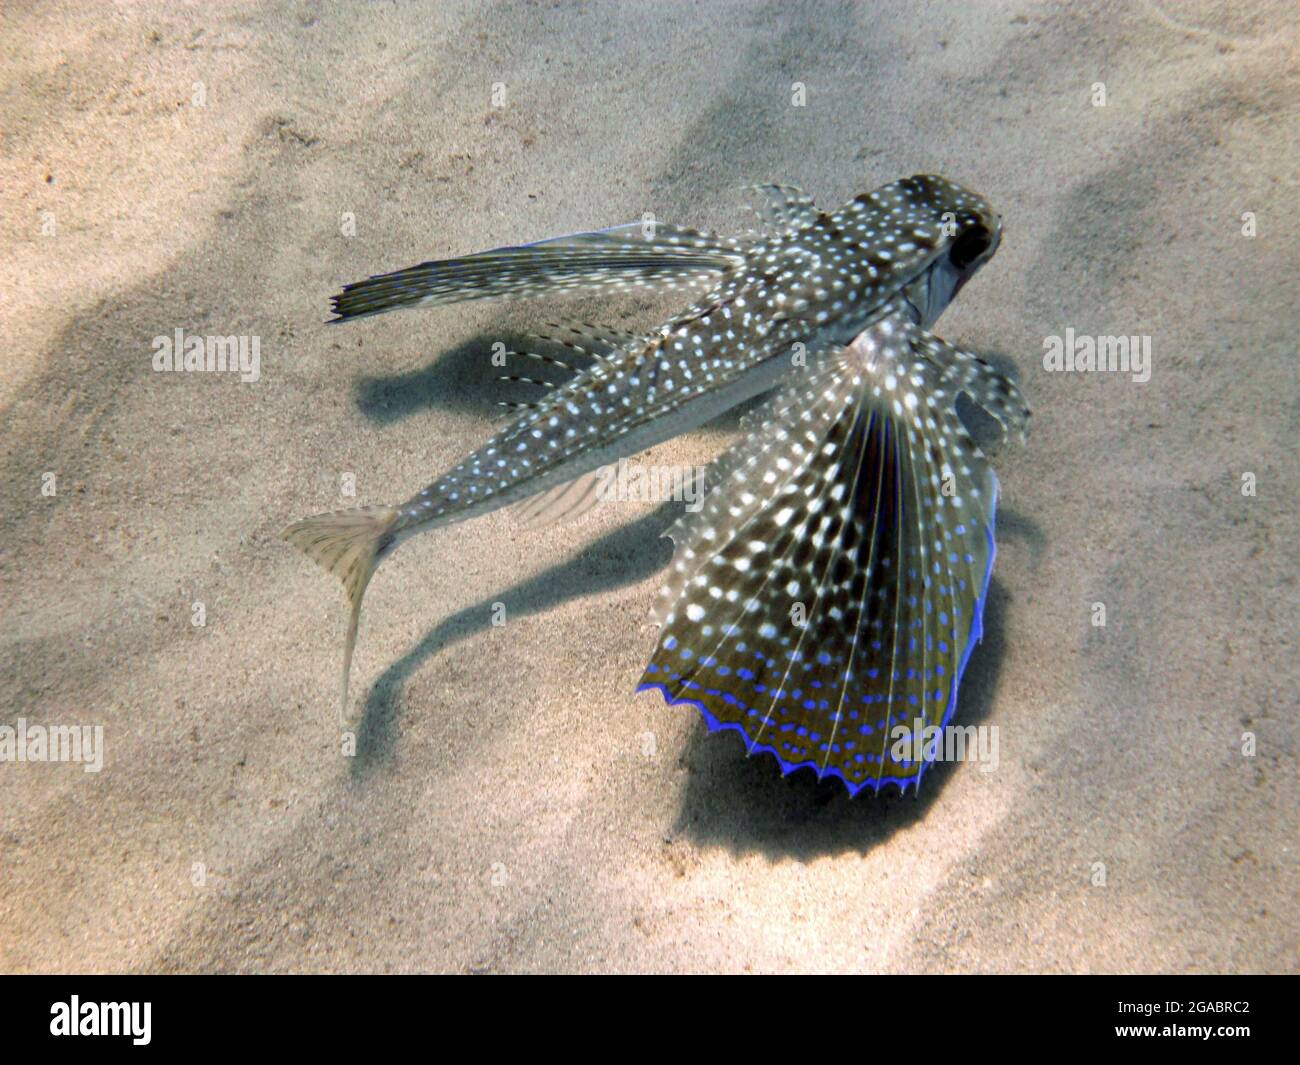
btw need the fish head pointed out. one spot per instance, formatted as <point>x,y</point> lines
<point>970,232</point>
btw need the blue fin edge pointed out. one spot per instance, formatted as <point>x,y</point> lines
<point>976,635</point>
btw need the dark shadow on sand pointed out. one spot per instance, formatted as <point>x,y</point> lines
<point>462,378</point>
<point>625,556</point>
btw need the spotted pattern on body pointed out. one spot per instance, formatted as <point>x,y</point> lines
<point>818,278</point>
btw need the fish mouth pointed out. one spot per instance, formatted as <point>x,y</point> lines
<point>970,250</point>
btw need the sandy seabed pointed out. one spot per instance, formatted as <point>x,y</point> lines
<point>512,805</point>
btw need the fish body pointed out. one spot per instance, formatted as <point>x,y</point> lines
<point>803,301</point>
<point>816,281</point>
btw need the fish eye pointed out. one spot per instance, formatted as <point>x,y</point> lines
<point>972,242</point>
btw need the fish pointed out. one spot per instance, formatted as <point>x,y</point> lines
<point>788,301</point>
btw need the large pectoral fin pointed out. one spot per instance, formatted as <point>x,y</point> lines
<point>824,601</point>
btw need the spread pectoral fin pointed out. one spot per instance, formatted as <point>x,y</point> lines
<point>829,592</point>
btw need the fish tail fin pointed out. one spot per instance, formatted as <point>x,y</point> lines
<point>618,258</point>
<point>350,544</point>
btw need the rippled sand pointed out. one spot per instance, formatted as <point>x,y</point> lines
<point>512,805</point>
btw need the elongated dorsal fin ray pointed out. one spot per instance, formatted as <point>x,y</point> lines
<point>598,342</point>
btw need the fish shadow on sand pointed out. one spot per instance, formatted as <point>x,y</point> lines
<point>745,804</point>
<point>629,554</point>
<point>464,378</point>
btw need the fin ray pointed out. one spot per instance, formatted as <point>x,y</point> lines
<point>564,503</point>
<point>614,258</point>
<point>861,530</point>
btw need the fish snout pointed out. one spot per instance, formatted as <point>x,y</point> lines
<point>977,238</point>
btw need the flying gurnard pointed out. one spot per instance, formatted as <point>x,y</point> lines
<point>832,585</point>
